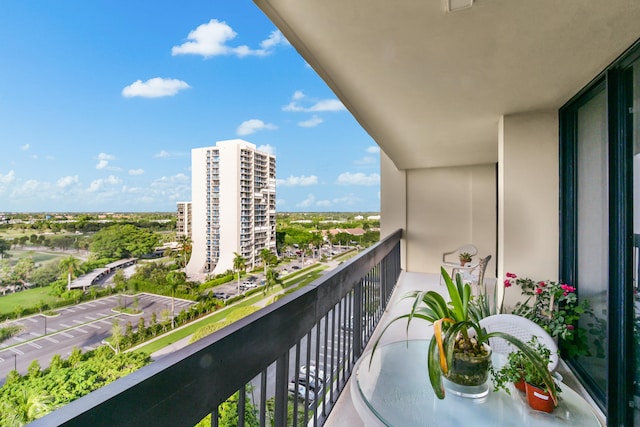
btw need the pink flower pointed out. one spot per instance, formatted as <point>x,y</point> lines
<point>538,291</point>
<point>567,288</point>
<point>542,284</point>
<point>511,275</point>
<point>507,283</point>
<point>570,327</point>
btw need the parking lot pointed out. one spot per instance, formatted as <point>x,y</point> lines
<point>83,326</point>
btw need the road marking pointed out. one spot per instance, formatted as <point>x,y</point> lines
<point>32,344</point>
<point>90,304</point>
<point>51,330</point>
<point>101,302</point>
<point>94,326</point>
<point>19,339</point>
<point>81,307</point>
<point>81,330</point>
<point>16,351</point>
<point>66,334</point>
<point>71,310</point>
<point>64,325</point>
<point>52,340</point>
<point>79,322</point>
<point>36,334</point>
<point>105,322</point>
<point>90,317</point>
<point>32,320</point>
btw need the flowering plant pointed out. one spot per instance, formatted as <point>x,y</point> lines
<point>555,307</point>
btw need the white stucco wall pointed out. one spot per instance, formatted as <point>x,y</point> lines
<point>447,208</point>
<point>393,201</point>
<point>528,188</point>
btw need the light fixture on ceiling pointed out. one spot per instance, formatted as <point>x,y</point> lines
<point>456,5</point>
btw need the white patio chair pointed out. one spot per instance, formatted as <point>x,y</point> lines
<point>451,260</point>
<point>521,328</point>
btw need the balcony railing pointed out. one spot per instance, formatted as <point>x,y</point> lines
<point>326,324</point>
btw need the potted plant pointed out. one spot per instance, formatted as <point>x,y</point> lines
<point>459,350</point>
<point>516,367</point>
<point>465,257</point>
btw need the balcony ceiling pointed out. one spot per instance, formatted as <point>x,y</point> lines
<point>430,86</point>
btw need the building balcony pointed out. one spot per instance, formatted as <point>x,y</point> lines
<point>306,328</point>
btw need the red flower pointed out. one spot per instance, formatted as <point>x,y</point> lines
<point>542,284</point>
<point>511,275</point>
<point>570,327</point>
<point>507,283</point>
<point>538,291</point>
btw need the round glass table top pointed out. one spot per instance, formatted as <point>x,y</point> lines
<point>394,390</point>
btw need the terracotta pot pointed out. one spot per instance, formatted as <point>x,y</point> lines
<point>539,399</point>
<point>520,385</point>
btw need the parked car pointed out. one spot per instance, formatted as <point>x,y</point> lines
<point>312,372</point>
<point>302,380</point>
<point>300,391</point>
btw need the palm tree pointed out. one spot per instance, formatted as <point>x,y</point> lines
<point>272,279</point>
<point>185,250</point>
<point>174,279</point>
<point>26,406</point>
<point>239,264</point>
<point>69,265</point>
<point>265,255</point>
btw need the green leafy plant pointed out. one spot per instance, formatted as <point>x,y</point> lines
<point>555,307</point>
<point>519,368</point>
<point>465,257</point>
<point>455,331</point>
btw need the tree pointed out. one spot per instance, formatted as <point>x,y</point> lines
<point>69,265</point>
<point>272,279</point>
<point>116,336</point>
<point>239,264</point>
<point>26,406</point>
<point>5,245</point>
<point>124,241</point>
<point>174,279</point>
<point>185,250</point>
<point>265,256</point>
<point>22,270</point>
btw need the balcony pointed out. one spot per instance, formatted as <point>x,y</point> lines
<point>182,388</point>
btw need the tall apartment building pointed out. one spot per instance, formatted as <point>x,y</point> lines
<point>183,222</point>
<point>233,206</point>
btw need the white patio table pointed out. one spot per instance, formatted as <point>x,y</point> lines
<point>395,391</point>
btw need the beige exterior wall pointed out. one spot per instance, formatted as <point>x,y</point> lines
<point>393,201</point>
<point>528,188</point>
<point>446,208</point>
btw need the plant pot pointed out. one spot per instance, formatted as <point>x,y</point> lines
<point>539,399</point>
<point>520,385</point>
<point>468,374</point>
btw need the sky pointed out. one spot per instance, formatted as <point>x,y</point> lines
<point>102,101</point>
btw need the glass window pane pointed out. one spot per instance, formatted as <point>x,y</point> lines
<point>593,230</point>
<point>636,236</point>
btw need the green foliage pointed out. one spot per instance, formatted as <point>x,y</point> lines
<point>234,316</point>
<point>123,241</point>
<point>7,332</point>
<point>64,381</point>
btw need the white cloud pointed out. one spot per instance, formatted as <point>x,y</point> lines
<point>136,171</point>
<point>162,154</point>
<point>66,181</point>
<point>348,178</point>
<point>99,184</point>
<point>309,201</point>
<point>374,149</point>
<point>25,147</point>
<point>253,125</point>
<point>298,181</point>
<point>7,178</point>
<point>211,39</point>
<point>312,122</point>
<point>348,200</point>
<point>103,160</point>
<point>367,160</point>
<point>267,148</point>
<point>316,106</point>
<point>323,203</point>
<point>154,88</point>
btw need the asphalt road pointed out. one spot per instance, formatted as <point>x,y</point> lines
<point>83,326</point>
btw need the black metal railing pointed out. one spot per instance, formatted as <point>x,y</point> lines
<point>314,334</point>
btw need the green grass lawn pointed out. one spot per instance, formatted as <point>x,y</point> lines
<point>38,257</point>
<point>27,298</point>
<point>299,281</point>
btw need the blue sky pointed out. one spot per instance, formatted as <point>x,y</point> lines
<point>102,101</point>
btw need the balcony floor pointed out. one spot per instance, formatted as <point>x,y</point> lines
<point>344,412</point>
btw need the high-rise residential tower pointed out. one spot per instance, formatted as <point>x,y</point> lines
<point>233,206</point>
<point>183,222</point>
